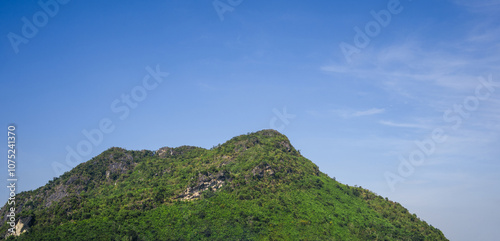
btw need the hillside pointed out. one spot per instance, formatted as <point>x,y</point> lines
<point>253,187</point>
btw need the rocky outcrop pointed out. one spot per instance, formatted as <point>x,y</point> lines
<point>22,226</point>
<point>58,193</point>
<point>116,168</point>
<point>204,182</point>
<point>261,171</point>
<point>169,151</point>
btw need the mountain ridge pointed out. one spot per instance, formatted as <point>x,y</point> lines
<point>253,186</point>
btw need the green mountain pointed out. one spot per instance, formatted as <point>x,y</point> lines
<point>253,187</point>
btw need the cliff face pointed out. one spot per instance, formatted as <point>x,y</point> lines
<point>254,186</point>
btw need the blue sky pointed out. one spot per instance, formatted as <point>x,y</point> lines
<point>269,64</point>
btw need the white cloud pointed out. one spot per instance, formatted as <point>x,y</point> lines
<point>405,125</point>
<point>372,111</point>
<point>346,113</point>
<point>409,62</point>
<point>479,5</point>
<point>336,68</point>
<point>356,113</point>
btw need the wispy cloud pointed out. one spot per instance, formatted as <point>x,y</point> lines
<point>410,62</point>
<point>479,5</point>
<point>357,113</point>
<point>372,111</point>
<point>404,125</point>
<point>204,86</point>
<point>345,113</point>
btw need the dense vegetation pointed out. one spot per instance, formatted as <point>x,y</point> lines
<point>253,187</point>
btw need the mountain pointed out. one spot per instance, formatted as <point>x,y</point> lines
<point>253,187</point>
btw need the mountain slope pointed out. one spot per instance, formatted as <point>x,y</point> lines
<point>253,187</point>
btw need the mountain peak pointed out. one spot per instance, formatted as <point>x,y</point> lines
<point>269,132</point>
<point>253,186</point>
<point>268,137</point>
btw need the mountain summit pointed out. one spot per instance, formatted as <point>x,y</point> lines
<point>253,187</point>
